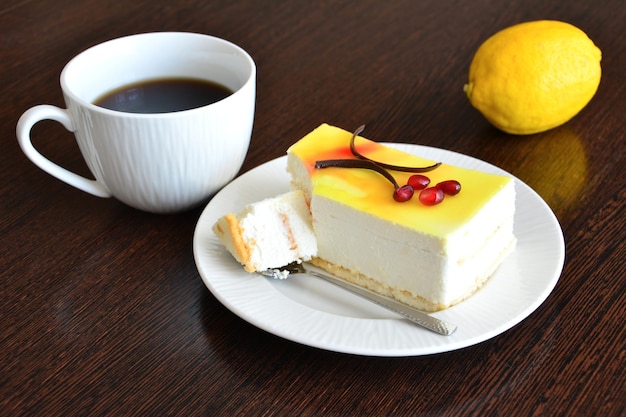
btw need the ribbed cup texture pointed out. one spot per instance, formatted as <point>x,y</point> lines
<point>169,162</point>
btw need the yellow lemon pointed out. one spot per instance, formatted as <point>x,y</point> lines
<point>534,76</point>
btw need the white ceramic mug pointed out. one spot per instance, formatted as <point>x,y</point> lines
<point>164,162</point>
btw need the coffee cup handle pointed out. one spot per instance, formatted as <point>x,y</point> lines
<point>48,112</point>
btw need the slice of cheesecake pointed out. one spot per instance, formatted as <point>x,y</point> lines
<point>429,257</point>
<point>270,233</point>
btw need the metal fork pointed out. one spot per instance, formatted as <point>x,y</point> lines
<point>418,317</point>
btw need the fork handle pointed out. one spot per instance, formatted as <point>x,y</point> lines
<point>418,317</point>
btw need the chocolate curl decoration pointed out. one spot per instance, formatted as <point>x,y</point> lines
<point>357,163</point>
<point>382,164</point>
<point>364,162</point>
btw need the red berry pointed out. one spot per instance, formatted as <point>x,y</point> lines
<point>403,193</point>
<point>450,187</point>
<point>431,196</point>
<point>418,182</point>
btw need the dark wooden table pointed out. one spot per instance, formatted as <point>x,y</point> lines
<point>103,311</point>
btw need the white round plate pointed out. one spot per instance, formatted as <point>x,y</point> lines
<point>307,310</point>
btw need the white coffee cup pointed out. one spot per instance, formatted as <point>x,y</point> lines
<point>162,162</point>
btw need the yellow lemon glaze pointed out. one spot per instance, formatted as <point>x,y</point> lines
<point>370,192</point>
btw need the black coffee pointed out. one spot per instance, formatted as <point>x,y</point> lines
<point>164,95</point>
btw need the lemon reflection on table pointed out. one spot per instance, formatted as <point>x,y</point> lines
<point>554,164</point>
